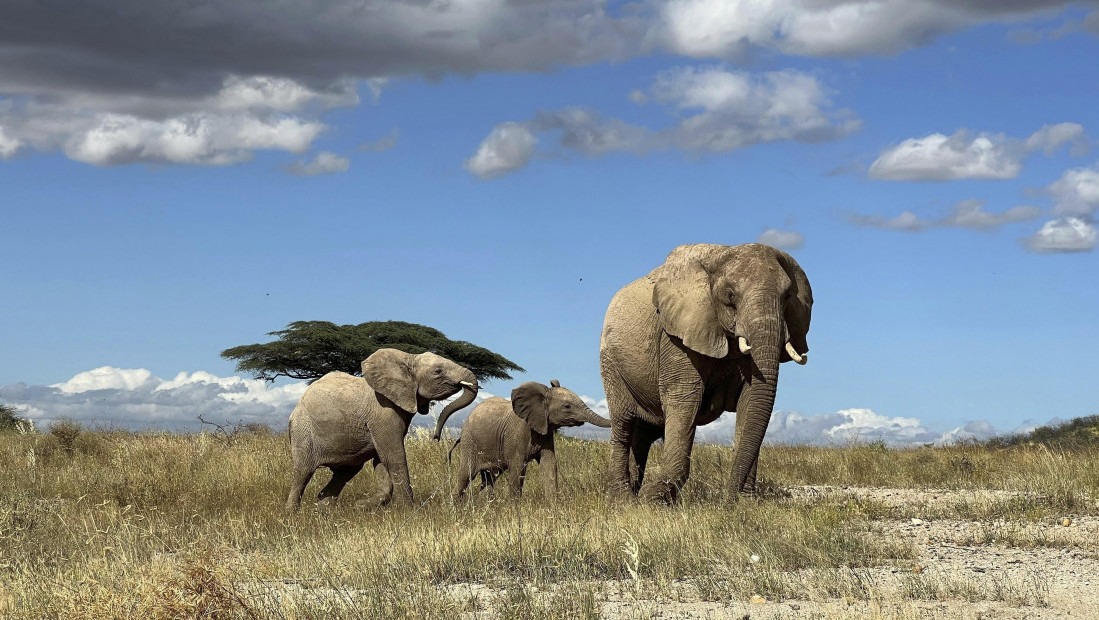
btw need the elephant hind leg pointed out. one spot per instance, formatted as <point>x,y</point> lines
<point>340,476</point>
<point>644,435</point>
<point>302,476</point>
<point>623,412</point>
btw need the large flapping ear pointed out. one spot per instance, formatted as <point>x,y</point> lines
<point>799,308</point>
<point>528,401</point>
<point>389,372</point>
<point>683,298</point>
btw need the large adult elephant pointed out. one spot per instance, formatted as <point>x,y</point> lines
<point>343,421</point>
<point>702,334</point>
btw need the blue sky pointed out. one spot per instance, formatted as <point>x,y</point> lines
<point>932,166</point>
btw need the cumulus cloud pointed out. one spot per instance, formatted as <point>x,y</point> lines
<point>730,28</point>
<point>225,128</point>
<point>851,425</point>
<point>1076,199</point>
<point>506,149</point>
<point>965,155</point>
<point>781,239</point>
<point>719,110</point>
<point>325,162</point>
<point>135,399</point>
<point>1064,235</point>
<point>8,145</point>
<point>966,214</point>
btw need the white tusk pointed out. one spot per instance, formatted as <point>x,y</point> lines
<point>801,359</point>
<point>467,384</point>
<point>742,342</point>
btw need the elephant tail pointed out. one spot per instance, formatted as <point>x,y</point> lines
<point>451,452</point>
<point>289,433</point>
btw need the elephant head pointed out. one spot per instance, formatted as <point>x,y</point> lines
<point>752,295</point>
<point>545,409</point>
<point>411,381</point>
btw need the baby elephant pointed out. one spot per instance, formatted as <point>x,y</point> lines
<point>500,435</point>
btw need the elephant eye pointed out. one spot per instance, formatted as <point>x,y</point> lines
<point>438,371</point>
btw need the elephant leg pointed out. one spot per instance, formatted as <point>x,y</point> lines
<point>644,435</point>
<point>340,477</point>
<point>462,477</point>
<point>681,388</point>
<point>623,409</point>
<point>302,476</point>
<point>517,472</point>
<point>383,487</point>
<point>388,430</point>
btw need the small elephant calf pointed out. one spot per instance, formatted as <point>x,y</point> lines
<point>502,435</point>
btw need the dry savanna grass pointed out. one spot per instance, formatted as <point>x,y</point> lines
<point>152,525</point>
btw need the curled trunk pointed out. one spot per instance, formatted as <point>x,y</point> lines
<point>467,397</point>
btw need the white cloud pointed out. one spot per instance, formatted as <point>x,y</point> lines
<point>720,110</point>
<point>1076,193</point>
<point>246,115</point>
<point>325,162</point>
<point>781,239</point>
<point>736,109</point>
<point>105,378</point>
<point>966,214</point>
<point>8,145</point>
<point>1062,236</point>
<point>730,28</point>
<point>134,398</point>
<point>938,157</point>
<point>506,149</point>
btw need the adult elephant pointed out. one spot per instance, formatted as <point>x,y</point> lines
<point>702,334</point>
<point>343,421</point>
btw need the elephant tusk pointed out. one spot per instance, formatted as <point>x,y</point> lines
<point>794,355</point>
<point>742,342</point>
<point>467,384</point>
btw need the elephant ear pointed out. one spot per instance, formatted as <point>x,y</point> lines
<point>799,308</point>
<point>389,372</point>
<point>684,300</point>
<point>528,401</point>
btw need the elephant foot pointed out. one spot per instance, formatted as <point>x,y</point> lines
<point>658,493</point>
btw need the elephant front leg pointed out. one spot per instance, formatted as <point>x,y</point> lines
<point>548,465</point>
<point>463,475</point>
<point>389,430</point>
<point>516,473</point>
<point>675,467</point>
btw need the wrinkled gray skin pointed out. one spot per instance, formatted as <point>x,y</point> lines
<point>670,358</point>
<point>502,435</point>
<point>343,421</point>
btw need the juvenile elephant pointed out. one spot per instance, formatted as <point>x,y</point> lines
<point>504,436</point>
<point>343,421</point>
<point>702,334</point>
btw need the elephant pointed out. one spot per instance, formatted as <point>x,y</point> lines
<point>502,435</point>
<point>701,334</point>
<point>343,421</point>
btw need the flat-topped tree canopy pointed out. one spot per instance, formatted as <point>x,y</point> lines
<point>310,349</point>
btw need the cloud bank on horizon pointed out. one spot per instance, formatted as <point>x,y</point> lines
<point>135,399</point>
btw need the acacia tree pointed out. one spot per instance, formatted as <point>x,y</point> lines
<point>9,418</point>
<point>310,349</point>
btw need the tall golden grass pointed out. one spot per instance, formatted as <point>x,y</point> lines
<point>156,525</point>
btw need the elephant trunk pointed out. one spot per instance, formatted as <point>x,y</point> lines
<point>593,418</point>
<point>469,393</point>
<point>758,401</point>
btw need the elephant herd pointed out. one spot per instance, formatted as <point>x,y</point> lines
<point>702,334</point>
